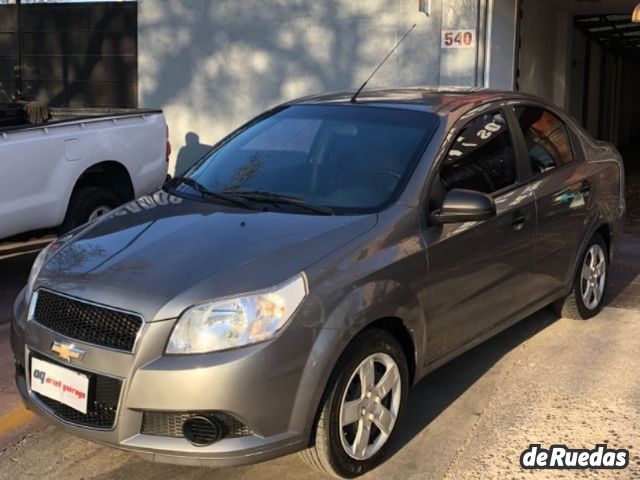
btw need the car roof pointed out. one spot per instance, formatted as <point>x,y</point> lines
<point>444,101</point>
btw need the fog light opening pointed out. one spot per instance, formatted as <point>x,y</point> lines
<point>202,431</point>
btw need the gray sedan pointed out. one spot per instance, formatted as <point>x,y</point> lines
<point>285,293</point>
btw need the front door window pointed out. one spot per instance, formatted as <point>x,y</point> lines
<point>482,158</point>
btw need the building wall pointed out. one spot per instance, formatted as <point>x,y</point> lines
<point>594,73</point>
<point>501,46</point>
<point>545,53</point>
<point>537,59</point>
<point>578,72</point>
<point>562,65</point>
<point>213,65</point>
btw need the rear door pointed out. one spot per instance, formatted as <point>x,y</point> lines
<point>562,191</point>
<point>476,269</point>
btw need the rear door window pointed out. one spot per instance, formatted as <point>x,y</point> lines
<point>482,157</point>
<point>547,138</point>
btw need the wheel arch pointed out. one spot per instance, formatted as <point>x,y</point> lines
<point>397,329</point>
<point>606,231</point>
<point>571,304</point>
<point>109,174</point>
<point>394,325</point>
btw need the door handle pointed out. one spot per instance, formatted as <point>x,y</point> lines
<point>518,221</point>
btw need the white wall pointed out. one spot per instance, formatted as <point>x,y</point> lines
<point>562,66</point>
<point>578,71</point>
<point>594,89</point>
<point>213,65</point>
<point>545,48</point>
<point>501,45</point>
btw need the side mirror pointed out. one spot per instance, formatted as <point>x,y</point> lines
<point>461,205</point>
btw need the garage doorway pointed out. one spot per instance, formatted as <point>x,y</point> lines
<point>585,57</point>
<point>69,54</point>
<point>610,79</point>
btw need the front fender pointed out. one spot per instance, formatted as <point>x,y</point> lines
<point>375,300</point>
<point>335,328</point>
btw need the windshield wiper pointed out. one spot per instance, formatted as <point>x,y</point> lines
<point>275,198</point>
<point>205,192</point>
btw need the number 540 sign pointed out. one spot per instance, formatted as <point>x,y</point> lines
<point>458,38</point>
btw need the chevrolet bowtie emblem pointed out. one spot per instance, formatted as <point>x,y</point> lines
<point>67,351</point>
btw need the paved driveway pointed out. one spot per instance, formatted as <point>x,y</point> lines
<point>545,380</point>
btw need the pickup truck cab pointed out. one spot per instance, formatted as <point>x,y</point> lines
<point>77,166</point>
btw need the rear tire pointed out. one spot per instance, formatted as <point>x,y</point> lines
<point>87,204</point>
<point>592,276</point>
<point>336,451</point>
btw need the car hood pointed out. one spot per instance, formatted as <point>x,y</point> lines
<point>160,254</point>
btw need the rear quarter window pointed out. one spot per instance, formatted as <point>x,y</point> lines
<point>547,138</point>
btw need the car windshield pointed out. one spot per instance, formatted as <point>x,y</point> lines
<point>339,158</point>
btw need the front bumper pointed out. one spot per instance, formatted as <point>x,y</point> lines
<point>260,386</point>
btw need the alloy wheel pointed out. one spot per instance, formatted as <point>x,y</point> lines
<point>370,406</point>
<point>593,276</point>
<point>98,212</point>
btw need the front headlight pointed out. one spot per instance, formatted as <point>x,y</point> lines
<point>234,322</point>
<point>43,257</point>
<point>39,262</point>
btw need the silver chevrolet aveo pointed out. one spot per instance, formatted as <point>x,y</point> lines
<point>285,293</point>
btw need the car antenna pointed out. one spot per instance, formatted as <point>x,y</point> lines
<point>355,95</point>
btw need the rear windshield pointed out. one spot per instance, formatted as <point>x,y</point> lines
<point>345,158</point>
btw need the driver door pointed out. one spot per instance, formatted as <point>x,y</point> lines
<point>477,269</point>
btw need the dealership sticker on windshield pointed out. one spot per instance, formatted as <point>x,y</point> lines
<point>61,384</point>
<point>561,457</point>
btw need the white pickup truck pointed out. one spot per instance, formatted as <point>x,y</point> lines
<point>67,171</point>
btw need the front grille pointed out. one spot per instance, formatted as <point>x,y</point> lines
<point>87,322</point>
<point>169,424</point>
<point>104,393</point>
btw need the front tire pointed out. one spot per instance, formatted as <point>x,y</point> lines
<point>362,406</point>
<point>590,283</point>
<point>86,205</point>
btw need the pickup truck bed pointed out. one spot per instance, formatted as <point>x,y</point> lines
<point>75,165</point>
<point>15,116</point>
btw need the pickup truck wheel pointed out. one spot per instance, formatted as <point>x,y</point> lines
<point>87,205</point>
<point>589,286</point>
<point>361,408</point>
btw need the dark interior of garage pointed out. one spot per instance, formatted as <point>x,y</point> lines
<point>585,56</point>
<point>614,113</point>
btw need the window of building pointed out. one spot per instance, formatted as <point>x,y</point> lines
<point>547,138</point>
<point>482,158</point>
